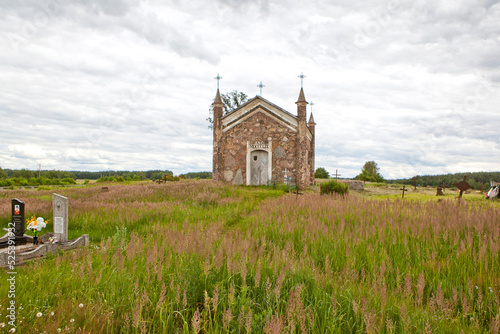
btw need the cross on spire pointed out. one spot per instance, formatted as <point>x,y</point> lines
<point>301,76</point>
<point>261,86</point>
<point>218,78</point>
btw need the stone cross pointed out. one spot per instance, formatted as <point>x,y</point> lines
<point>60,213</point>
<point>218,78</point>
<point>18,218</point>
<point>404,189</point>
<point>261,86</point>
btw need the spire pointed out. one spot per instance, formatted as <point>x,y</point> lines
<point>311,120</point>
<point>217,100</point>
<point>302,98</point>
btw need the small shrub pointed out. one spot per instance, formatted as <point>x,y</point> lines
<point>333,186</point>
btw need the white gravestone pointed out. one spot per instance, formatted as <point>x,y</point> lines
<point>60,214</point>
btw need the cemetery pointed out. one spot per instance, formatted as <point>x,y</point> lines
<point>204,256</point>
<point>28,247</point>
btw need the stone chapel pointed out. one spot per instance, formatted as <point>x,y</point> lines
<point>260,142</point>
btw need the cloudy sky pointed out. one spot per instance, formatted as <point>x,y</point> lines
<point>127,84</point>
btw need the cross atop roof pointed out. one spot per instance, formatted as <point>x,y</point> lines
<point>218,78</point>
<point>301,76</point>
<point>261,86</point>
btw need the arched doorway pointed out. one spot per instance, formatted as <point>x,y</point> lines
<point>259,161</point>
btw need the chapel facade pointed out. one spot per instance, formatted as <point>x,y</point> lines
<point>260,142</point>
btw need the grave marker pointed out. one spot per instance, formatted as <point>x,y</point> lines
<point>463,186</point>
<point>60,212</point>
<point>404,189</point>
<point>18,218</point>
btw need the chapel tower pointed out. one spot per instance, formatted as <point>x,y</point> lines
<point>303,170</point>
<point>218,142</point>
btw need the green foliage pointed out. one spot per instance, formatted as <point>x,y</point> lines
<point>333,186</point>
<point>2,174</point>
<point>370,172</point>
<point>35,181</point>
<point>230,101</point>
<point>321,173</point>
<point>233,100</point>
<point>197,175</point>
<point>474,179</point>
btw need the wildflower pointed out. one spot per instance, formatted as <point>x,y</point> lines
<point>2,325</point>
<point>72,320</point>
<point>80,306</point>
<point>39,314</point>
<point>51,314</point>
<point>12,330</point>
<point>59,330</point>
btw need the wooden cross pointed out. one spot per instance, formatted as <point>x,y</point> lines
<point>218,78</point>
<point>261,86</point>
<point>404,189</point>
<point>463,186</point>
<point>301,76</point>
<point>337,175</point>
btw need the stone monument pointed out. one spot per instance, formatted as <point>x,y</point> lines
<point>60,213</point>
<point>18,220</point>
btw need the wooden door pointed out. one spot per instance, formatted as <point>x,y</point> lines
<point>258,168</point>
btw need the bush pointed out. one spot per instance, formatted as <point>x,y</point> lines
<point>333,186</point>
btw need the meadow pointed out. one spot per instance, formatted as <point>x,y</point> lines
<point>197,257</point>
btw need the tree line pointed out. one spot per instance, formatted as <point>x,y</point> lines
<point>26,177</point>
<point>475,179</point>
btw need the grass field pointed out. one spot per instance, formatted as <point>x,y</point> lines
<point>193,256</point>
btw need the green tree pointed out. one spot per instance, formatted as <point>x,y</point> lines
<point>321,173</point>
<point>370,172</point>
<point>2,174</point>
<point>231,101</point>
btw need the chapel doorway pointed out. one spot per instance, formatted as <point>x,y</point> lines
<point>259,161</point>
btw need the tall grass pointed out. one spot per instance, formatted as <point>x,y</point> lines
<point>199,257</point>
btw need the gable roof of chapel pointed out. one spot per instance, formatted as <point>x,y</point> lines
<point>256,105</point>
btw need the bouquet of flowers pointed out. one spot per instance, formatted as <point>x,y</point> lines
<point>36,226</point>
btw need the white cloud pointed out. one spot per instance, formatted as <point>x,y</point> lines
<point>127,84</point>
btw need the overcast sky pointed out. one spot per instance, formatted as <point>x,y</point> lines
<point>127,85</point>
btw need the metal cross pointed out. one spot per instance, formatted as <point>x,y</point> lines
<point>301,76</point>
<point>218,78</point>
<point>311,104</point>
<point>462,186</point>
<point>261,86</point>
<point>404,189</point>
<point>414,182</point>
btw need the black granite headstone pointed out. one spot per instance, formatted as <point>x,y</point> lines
<point>18,217</point>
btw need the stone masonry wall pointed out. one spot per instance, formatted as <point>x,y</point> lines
<point>258,128</point>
